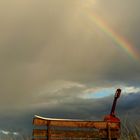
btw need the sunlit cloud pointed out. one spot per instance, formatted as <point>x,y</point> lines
<point>98,92</point>
<point>60,85</point>
<point>131,89</point>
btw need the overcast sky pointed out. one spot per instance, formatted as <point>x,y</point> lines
<point>54,59</point>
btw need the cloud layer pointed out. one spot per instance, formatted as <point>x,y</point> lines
<point>52,55</point>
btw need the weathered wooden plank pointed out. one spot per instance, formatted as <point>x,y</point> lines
<point>39,133</point>
<point>49,139</point>
<point>70,139</point>
<point>68,123</point>
<point>62,133</point>
<point>67,139</point>
<point>39,122</point>
<point>39,139</point>
<point>75,134</point>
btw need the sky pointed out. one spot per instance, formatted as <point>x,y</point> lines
<point>62,57</point>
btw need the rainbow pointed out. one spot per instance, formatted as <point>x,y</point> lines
<point>117,38</point>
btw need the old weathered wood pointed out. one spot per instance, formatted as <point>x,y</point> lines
<point>62,129</point>
<point>62,133</point>
<point>71,123</point>
<point>40,132</point>
<point>69,139</point>
<point>74,134</point>
<point>39,139</point>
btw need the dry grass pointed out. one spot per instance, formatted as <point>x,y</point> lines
<point>130,131</point>
<point>15,137</point>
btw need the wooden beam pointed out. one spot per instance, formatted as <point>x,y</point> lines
<point>39,139</point>
<point>39,133</point>
<point>82,124</point>
<point>74,134</point>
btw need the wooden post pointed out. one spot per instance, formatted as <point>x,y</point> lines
<point>108,131</point>
<point>48,130</point>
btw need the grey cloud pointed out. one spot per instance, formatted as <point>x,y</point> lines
<point>43,43</point>
<point>77,108</point>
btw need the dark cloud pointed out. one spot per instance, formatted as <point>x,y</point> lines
<point>78,108</point>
